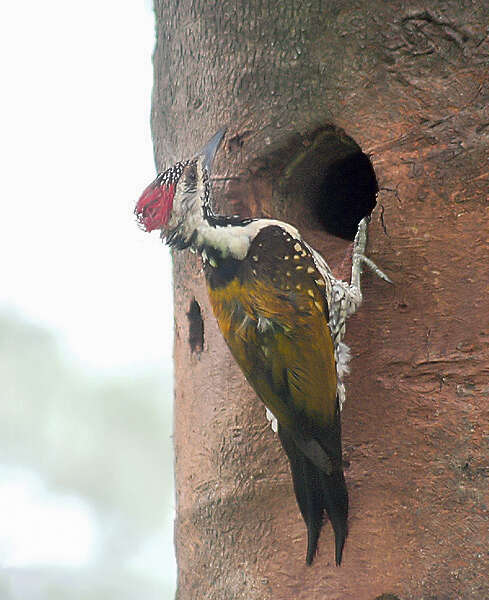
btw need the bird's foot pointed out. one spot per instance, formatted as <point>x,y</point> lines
<point>359,258</point>
<point>373,267</point>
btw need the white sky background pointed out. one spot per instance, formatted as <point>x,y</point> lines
<point>75,154</point>
<point>29,513</point>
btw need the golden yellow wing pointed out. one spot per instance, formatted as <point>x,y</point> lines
<point>273,314</point>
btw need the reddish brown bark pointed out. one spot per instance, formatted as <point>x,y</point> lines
<point>410,87</point>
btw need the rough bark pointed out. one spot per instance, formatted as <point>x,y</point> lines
<point>298,84</point>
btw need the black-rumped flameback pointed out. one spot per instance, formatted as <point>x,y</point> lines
<point>282,314</point>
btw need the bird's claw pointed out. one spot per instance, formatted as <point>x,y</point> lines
<point>373,267</point>
<point>359,258</point>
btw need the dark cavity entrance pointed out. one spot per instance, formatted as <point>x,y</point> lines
<point>347,194</point>
<point>196,327</point>
<point>331,177</point>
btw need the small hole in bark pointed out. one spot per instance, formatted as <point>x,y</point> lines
<point>347,194</point>
<point>196,327</point>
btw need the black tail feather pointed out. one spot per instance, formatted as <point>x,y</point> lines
<point>317,492</point>
<point>336,505</point>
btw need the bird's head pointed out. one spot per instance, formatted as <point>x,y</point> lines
<point>175,200</point>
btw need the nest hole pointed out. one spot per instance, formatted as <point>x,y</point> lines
<point>330,180</point>
<point>346,195</point>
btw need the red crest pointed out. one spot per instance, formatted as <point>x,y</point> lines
<point>155,205</point>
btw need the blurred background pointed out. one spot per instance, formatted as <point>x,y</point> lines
<point>86,481</point>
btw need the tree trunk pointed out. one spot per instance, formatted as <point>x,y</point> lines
<point>313,93</point>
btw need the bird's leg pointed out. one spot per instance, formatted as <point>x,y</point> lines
<point>359,258</point>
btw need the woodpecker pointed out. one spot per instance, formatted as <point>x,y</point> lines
<point>282,314</point>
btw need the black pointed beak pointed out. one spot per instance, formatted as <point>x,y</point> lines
<point>210,149</point>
